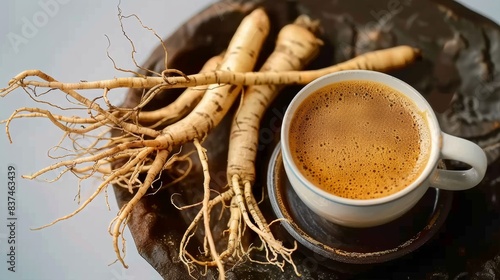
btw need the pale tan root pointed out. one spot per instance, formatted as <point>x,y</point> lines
<point>121,171</point>
<point>254,210</point>
<point>94,106</point>
<point>40,113</point>
<point>111,153</point>
<point>234,230</point>
<point>381,60</point>
<point>202,153</point>
<point>159,161</point>
<point>271,245</point>
<point>37,112</point>
<point>128,173</point>
<point>288,55</point>
<point>183,254</point>
<point>234,238</point>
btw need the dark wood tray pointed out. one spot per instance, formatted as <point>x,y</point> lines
<point>458,75</point>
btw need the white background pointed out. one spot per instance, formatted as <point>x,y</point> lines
<point>69,43</point>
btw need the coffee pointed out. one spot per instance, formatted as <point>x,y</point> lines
<point>359,139</point>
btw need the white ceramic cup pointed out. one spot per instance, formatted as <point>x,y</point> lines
<point>373,212</point>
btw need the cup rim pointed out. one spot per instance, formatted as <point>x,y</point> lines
<point>388,80</point>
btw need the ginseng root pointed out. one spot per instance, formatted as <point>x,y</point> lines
<point>381,60</point>
<point>243,144</point>
<point>241,55</point>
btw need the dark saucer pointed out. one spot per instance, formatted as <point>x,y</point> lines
<point>354,245</point>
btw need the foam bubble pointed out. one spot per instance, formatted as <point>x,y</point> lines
<point>365,141</point>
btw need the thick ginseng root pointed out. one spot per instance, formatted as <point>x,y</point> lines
<point>243,144</point>
<point>241,55</point>
<point>288,55</point>
<point>381,60</point>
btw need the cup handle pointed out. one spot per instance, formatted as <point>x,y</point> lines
<point>459,149</point>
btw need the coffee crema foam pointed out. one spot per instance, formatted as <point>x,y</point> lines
<point>359,139</point>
